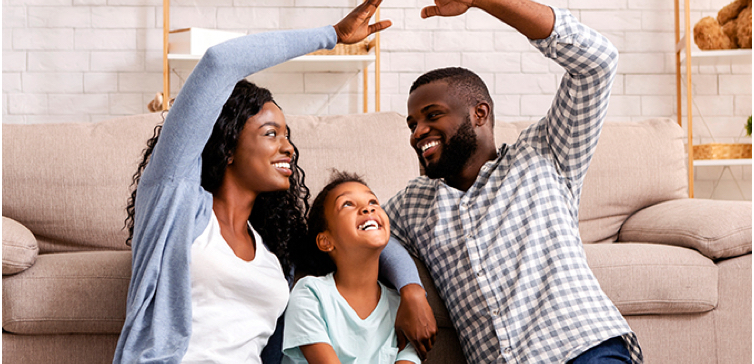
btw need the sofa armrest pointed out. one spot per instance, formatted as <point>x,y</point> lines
<point>718,229</point>
<point>19,247</point>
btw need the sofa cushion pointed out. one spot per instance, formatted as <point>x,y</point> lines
<point>65,293</point>
<point>644,279</point>
<point>59,349</point>
<point>636,164</point>
<point>69,183</point>
<point>19,247</point>
<point>717,229</point>
<point>384,157</point>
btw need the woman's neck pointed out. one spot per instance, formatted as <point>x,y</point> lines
<point>233,205</point>
<point>232,211</point>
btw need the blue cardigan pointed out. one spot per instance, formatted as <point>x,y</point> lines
<point>172,208</point>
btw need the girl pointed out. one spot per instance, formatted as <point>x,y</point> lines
<point>219,199</point>
<point>347,315</point>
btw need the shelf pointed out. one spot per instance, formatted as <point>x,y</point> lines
<point>183,48</point>
<point>719,57</point>
<point>307,63</point>
<point>722,162</point>
<point>687,54</point>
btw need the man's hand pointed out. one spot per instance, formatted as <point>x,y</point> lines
<point>446,8</point>
<point>355,26</point>
<point>532,19</point>
<point>415,321</point>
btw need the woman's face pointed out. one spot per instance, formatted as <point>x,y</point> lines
<point>262,160</point>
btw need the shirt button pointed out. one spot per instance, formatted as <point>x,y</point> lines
<point>480,273</point>
<point>495,312</point>
<point>507,351</point>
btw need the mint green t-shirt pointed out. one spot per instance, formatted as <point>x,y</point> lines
<point>317,313</point>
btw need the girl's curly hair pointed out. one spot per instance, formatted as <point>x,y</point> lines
<point>279,217</point>
<point>306,256</point>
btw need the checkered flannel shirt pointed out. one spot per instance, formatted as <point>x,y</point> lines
<point>506,255</point>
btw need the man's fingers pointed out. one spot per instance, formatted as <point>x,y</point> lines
<point>420,349</point>
<point>381,25</point>
<point>401,339</point>
<point>429,343</point>
<point>430,11</point>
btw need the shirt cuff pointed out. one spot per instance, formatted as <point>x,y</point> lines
<point>562,31</point>
<point>409,353</point>
<point>397,266</point>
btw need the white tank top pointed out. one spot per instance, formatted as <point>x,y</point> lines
<point>235,304</point>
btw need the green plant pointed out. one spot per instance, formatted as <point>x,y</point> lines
<point>748,126</point>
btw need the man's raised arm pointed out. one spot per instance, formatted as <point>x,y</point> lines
<point>531,19</point>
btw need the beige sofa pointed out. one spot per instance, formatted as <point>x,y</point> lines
<point>678,269</point>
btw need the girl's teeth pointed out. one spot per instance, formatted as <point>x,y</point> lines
<point>369,225</point>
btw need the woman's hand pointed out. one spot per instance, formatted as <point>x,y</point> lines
<point>446,8</point>
<point>355,26</point>
<point>415,321</point>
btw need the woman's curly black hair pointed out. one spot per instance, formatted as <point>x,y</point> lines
<point>278,217</point>
<point>305,254</point>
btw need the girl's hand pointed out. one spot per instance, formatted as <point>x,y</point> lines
<point>319,353</point>
<point>447,8</point>
<point>415,321</point>
<point>355,26</point>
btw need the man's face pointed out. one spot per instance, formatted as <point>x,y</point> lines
<point>441,131</point>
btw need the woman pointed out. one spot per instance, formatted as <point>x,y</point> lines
<point>205,284</point>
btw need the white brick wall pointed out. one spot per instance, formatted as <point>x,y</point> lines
<point>89,60</point>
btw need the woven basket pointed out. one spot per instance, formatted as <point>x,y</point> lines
<point>345,49</point>
<point>722,151</point>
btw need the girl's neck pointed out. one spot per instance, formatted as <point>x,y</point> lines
<point>357,283</point>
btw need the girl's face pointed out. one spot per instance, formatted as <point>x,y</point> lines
<point>262,159</point>
<point>355,219</point>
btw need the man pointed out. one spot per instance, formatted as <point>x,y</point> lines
<point>498,228</point>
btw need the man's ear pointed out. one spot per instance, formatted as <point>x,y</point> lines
<point>482,113</point>
<point>323,243</point>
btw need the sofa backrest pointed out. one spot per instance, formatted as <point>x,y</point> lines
<point>374,145</point>
<point>69,183</point>
<point>635,165</point>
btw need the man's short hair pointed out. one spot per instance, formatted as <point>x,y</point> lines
<point>463,82</point>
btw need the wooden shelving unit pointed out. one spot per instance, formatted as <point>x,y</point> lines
<point>355,63</point>
<point>686,56</point>
<point>307,63</point>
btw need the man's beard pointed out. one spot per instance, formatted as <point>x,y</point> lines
<point>455,153</point>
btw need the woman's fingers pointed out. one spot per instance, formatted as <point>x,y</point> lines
<point>381,25</point>
<point>355,26</point>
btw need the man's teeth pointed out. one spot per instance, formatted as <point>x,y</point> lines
<point>369,225</point>
<point>282,165</point>
<point>429,145</point>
